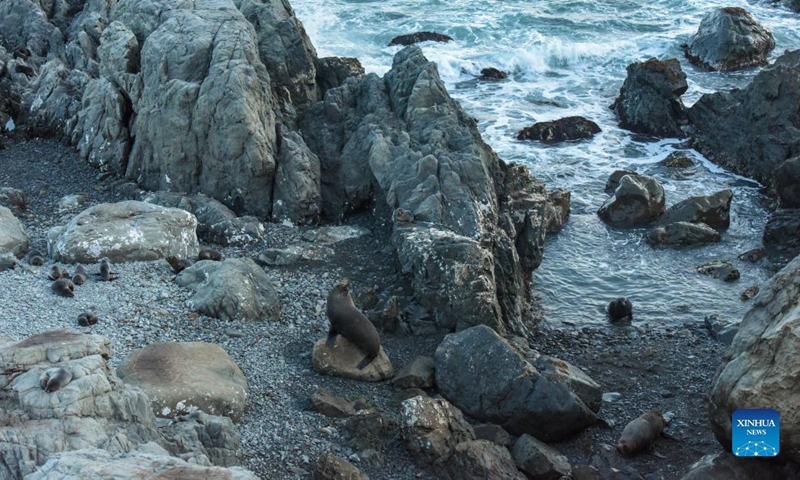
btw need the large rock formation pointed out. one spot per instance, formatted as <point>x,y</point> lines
<point>13,238</point>
<point>649,101</point>
<point>730,38</point>
<point>761,366</point>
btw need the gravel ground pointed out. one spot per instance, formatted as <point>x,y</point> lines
<point>649,365</point>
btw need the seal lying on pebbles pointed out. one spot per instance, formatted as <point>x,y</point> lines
<point>105,270</point>
<point>64,287</point>
<point>350,323</point>
<point>80,277</point>
<point>640,433</point>
<point>620,309</point>
<point>56,273</point>
<point>35,258</point>
<point>54,378</point>
<point>87,318</point>
<point>178,264</point>
<point>209,254</point>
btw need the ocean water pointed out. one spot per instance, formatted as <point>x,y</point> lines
<point>569,58</point>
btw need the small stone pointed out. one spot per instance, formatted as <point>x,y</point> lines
<point>749,293</point>
<point>611,396</point>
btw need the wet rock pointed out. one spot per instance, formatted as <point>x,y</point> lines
<point>787,183</point>
<point>492,74</point>
<point>493,433</point>
<point>721,330</point>
<point>558,214</point>
<point>181,377</point>
<point>331,467</point>
<point>563,129</point>
<point>730,38</point>
<point>432,428</point>
<point>613,180</point>
<point>330,405</point>
<point>760,366</point>
<point>783,231</point>
<point>750,293</point>
<point>216,223</point>
<point>128,231</point>
<point>13,199</point>
<point>722,269</point>
<point>418,37</point>
<point>13,238</point>
<point>342,358</point>
<point>753,255</point>
<point>297,195</point>
<point>638,200</point>
<point>419,373</point>
<point>751,131</point>
<point>712,210</point>
<point>679,234</point>
<point>235,288</point>
<point>725,466</point>
<point>491,380</point>
<point>677,160</point>
<point>649,101</point>
<point>333,71</point>
<point>538,460</point>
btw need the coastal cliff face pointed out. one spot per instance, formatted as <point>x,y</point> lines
<point>222,97</point>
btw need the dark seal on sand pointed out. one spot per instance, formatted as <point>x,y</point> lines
<point>350,323</point>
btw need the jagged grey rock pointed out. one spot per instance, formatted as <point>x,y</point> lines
<point>330,405</point>
<point>13,199</point>
<point>783,231</point>
<point>681,234</point>
<point>613,180</point>
<point>712,210</point>
<point>181,377</point>
<point>481,459</point>
<point>759,368</point>
<point>432,428</point>
<point>493,381</point>
<point>331,467</point>
<point>730,38</point>
<point>13,238</point>
<point>128,231</point>
<point>637,200</point>
<point>202,439</point>
<point>787,182</point>
<point>418,373</point>
<point>297,196</point>
<point>236,288</point>
<point>649,101</point>
<point>333,71</point>
<point>539,460</point>
<point>561,130</point>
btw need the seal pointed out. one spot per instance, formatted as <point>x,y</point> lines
<point>620,309</point>
<point>178,264</point>
<point>35,258</point>
<point>346,320</point>
<point>81,276</point>
<point>54,378</point>
<point>105,270</point>
<point>64,287</point>
<point>640,433</point>
<point>209,254</point>
<point>56,273</point>
<point>403,216</point>
<point>86,319</point>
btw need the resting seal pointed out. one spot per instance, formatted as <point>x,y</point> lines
<point>209,254</point>
<point>640,433</point>
<point>80,277</point>
<point>178,264</point>
<point>350,323</point>
<point>86,318</point>
<point>54,378</point>
<point>56,273</point>
<point>64,287</point>
<point>620,309</point>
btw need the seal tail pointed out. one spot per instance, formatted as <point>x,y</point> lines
<point>367,360</point>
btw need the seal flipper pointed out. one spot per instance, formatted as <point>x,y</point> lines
<point>331,336</point>
<point>367,360</point>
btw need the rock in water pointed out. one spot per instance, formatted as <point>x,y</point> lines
<point>681,234</point>
<point>418,37</point>
<point>492,74</point>
<point>563,129</point>
<point>712,210</point>
<point>730,38</point>
<point>638,200</point>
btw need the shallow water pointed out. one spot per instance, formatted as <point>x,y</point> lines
<point>569,58</point>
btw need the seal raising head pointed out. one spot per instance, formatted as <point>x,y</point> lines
<point>620,309</point>
<point>346,320</point>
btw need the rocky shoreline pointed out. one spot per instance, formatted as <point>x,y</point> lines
<point>226,115</point>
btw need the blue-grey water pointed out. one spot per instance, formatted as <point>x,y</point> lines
<point>569,58</point>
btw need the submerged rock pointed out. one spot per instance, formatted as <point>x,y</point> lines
<point>492,74</point>
<point>418,37</point>
<point>722,269</point>
<point>730,38</point>
<point>563,129</point>
<point>680,234</point>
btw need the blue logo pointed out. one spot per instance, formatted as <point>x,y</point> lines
<point>756,433</point>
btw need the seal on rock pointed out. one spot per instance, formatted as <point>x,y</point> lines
<point>105,270</point>
<point>64,287</point>
<point>80,277</point>
<point>403,216</point>
<point>640,433</point>
<point>209,254</point>
<point>620,309</point>
<point>178,264</point>
<point>86,319</point>
<point>54,378</point>
<point>346,320</point>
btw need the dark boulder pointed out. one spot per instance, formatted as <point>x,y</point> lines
<point>649,101</point>
<point>713,210</point>
<point>638,200</point>
<point>783,231</point>
<point>563,129</point>
<point>681,234</point>
<point>491,73</point>
<point>787,182</point>
<point>730,38</point>
<point>677,160</point>
<point>613,180</point>
<point>333,71</point>
<point>418,37</point>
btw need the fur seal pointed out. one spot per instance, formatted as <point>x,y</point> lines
<point>403,216</point>
<point>346,320</point>
<point>620,309</point>
<point>56,273</point>
<point>640,433</point>
<point>178,264</point>
<point>209,254</point>
<point>105,270</point>
<point>87,318</point>
<point>35,258</point>
<point>25,70</point>
<point>80,277</point>
<point>64,287</point>
<point>22,52</point>
<point>54,378</point>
